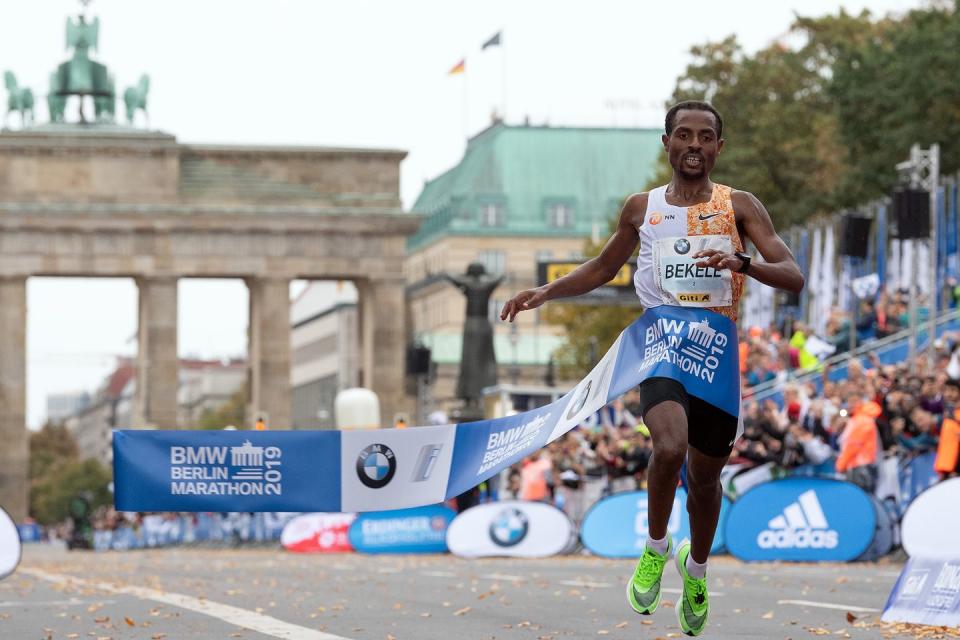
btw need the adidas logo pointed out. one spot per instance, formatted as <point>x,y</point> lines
<point>802,525</point>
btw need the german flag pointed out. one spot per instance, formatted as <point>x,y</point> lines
<point>460,67</point>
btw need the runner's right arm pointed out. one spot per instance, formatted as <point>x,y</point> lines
<point>592,273</point>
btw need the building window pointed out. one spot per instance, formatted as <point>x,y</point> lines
<point>560,215</point>
<point>495,262</point>
<point>491,214</point>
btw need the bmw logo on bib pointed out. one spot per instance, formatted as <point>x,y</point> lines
<point>509,528</point>
<point>376,466</point>
<point>681,246</point>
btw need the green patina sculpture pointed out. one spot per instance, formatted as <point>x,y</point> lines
<point>19,99</point>
<point>79,76</point>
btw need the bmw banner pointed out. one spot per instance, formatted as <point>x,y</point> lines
<point>801,519</point>
<point>9,545</point>
<point>378,469</point>
<point>417,530</point>
<point>510,528</point>
<point>616,527</point>
<point>927,592</point>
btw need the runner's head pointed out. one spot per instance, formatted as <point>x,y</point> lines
<point>693,138</point>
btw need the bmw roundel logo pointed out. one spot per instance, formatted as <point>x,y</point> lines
<point>376,465</point>
<point>681,246</point>
<point>509,528</point>
<point>576,405</point>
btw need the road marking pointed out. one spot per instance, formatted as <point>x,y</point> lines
<point>586,583</point>
<point>503,576</point>
<point>72,602</point>
<point>828,605</point>
<point>231,615</point>
<point>438,574</point>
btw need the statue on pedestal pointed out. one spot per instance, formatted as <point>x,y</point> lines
<point>478,364</point>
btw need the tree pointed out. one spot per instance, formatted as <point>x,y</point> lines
<point>232,412</point>
<point>56,475</point>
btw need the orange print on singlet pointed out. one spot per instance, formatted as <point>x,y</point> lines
<point>717,218</point>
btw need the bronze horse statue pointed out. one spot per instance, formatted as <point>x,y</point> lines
<point>19,99</point>
<point>135,97</point>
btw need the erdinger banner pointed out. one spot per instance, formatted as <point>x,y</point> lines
<point>379,469</point>
<point>318,533</point>
<point>417,530</point>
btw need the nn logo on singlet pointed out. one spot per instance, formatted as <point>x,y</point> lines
<point>693,297</point>
<point>802,525</point>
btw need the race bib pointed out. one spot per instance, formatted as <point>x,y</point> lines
<point>681,282</point>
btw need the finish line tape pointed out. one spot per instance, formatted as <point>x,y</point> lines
<point>380,469</point>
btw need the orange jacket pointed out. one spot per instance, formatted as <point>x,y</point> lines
<point>859,439</point>
<point>949,447</point>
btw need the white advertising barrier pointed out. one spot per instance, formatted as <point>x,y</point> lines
<point>9,545</point>
<point>929,528</point>
<point>510,528</point>
<point>318,533</point>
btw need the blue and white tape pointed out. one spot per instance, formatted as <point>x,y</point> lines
<point>379,469</point>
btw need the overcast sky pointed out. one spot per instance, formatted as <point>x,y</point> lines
<point>366,73</point>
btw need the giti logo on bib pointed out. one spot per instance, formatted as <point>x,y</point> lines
<point>376,465</point>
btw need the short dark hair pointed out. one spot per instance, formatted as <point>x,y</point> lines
<point>950,382</point>
<point>692,105</point>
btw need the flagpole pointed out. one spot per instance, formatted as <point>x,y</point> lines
<point>466,103</point>
<point>503,78</point>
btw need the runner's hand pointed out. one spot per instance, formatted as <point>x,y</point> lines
<point>523,301</point>
<point>718,260</point>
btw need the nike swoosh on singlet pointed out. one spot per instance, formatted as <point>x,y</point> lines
<point>712,215</point>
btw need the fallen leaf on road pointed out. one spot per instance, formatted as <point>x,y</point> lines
<point>460,612</point>
<point>130,622</point>
<point>768,615</point>
<point>622,625</point>
<point>850,617</point>
<point>603,632</point>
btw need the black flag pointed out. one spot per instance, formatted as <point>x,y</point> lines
<point>494,41</point>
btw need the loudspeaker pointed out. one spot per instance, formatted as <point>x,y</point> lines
<point>418,360</point>
<point>855,236</point>
<point>911,210</point>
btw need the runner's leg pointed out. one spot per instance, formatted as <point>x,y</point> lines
<point>703,500</point>
<point>667,422</point>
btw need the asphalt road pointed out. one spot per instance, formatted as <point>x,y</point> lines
<point>200,594</point>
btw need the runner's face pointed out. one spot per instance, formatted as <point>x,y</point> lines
<point>693,146</point>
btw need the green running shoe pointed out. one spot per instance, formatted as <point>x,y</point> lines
<point>643,589</point>
<point>693,605</point>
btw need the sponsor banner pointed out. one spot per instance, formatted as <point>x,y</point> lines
<point>226,470</point>
<point>616,527</point>
<point>30,532</point>
<point>318,533</point>
<point>9,545</point>
<point>510,528</point>
<point>801,519</point>
<point>927,592</point>
<point>417,530</point>
<point>380,469</point>
<point>931,523</point>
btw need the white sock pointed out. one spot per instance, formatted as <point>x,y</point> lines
<point>660,546</point>
<point>695,569</point>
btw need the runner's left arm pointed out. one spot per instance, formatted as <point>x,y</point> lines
<point>778,269</point>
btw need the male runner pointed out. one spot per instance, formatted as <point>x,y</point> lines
<point>689,210</point>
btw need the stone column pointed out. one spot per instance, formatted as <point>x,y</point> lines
<point>383,342</point>
<point>158,364</point>
<point>269,351</point>
<point>14,450</point>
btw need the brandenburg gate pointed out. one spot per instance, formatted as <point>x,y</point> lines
<point>100,199</point>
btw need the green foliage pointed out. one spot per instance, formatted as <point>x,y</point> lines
<point>820,125</point>
<point>232,412</point>
<point>56,475</point>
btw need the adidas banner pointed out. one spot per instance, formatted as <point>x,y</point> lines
<point>379,469</point>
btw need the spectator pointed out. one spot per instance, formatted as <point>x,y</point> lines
<point>858,446</point>
<point>948,450</point>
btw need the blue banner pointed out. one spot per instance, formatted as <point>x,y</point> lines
<point>927,592</point>
<point>417,530</point>
<point>30,532</point>
<point>379,469</point>
<point>801,519</point>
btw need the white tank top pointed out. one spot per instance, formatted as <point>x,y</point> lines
<point>669,235</point>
